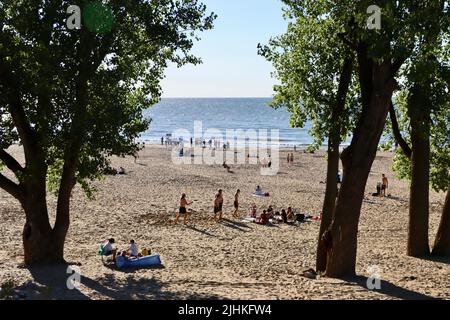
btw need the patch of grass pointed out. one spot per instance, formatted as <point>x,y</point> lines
<point>7,289</point>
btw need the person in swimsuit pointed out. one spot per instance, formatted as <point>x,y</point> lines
<point>384,185</point>
<point>236,203</point>
<point>183,204</point>
<point>253,211</point>
<point>218,203</point>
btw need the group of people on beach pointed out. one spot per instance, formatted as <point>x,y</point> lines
<point>285,216</point>
<point>131,252</point>
<point>218,206</point>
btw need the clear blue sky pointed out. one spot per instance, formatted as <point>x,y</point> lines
<point>231,66</point>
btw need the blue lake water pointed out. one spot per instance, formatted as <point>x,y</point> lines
<point>222,113</point>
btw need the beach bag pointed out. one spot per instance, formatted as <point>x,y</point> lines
<point>300,217</point>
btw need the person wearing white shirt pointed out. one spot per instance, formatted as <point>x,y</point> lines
<point>133,249</point>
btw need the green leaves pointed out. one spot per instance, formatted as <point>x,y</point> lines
<point>308,60</point>
<point>83,91</point>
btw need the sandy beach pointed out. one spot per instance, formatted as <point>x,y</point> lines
<point>232,259</point>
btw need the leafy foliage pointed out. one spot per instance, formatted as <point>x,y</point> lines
<point>83,92</point>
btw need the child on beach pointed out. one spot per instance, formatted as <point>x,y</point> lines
<point>107,249</point>
<point>183,204</point>
<point>253,211</point>
<point>133,250</point>
<point>218,203</point>
<point>384,184</point>
<point>263,219</point>
<point>236,203</point>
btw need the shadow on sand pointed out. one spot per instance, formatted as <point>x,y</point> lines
<point>206,233</point>
<point>109,286</point>
<point>235,225</point>
<point>390,289</point>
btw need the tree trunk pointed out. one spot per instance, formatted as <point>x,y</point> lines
<point>334,142</point>
<point>397,134</point>
<point>418,245</point>
<point>442,242</point>
<point>328,203</point>
<point>377,85</point>
<point>38,240</point>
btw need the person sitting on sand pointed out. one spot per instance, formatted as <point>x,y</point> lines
<point>290,214</point>
<point>270,212</point>
<point>183,204</point>
<point>263,219</point>
<point>133,250</point>
<point>121,170</point>
<point>218,203</point>
<point>236,203</point>
<point>259,191</point>
<point>277,216</point>
<point>108,249</point>
<point>253,211</point>
<point>226,166</point>
<point>284,215</point>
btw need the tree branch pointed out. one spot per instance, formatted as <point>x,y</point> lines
<point>396,65</point>
<point>397,134</point>
<point>10,162</point>
<point>11,187</point>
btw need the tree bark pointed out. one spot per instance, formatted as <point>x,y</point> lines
<point>377,85</point>
<point>37,236</point>
<point>397,134</point>
<point>418,245</point>
<point>442,241</point>
<point>334,142</point>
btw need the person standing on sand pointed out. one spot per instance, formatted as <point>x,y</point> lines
<point>288,159</point>
<point>236,203</point>
<point>384,185</point>
<point>292,158</point>
<point>218,203</point>
<point>183,204</point>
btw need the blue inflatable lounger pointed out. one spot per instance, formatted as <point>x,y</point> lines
<point>152,260</point>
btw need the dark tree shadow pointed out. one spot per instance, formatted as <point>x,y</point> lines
<point>55,279</point>
<point>132,287</point>
<point>390,289</point>
<point>444,260</point>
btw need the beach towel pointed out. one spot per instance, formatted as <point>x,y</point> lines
<point>261,195</point>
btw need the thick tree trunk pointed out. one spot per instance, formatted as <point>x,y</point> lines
<point>328,203</point>
<point>38,240</point>
<point>334,142</point>
<point>418,245</point>
<point>377,84</point>
<point>442,242</point>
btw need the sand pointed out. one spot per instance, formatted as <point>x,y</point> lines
<point>231,259</point>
